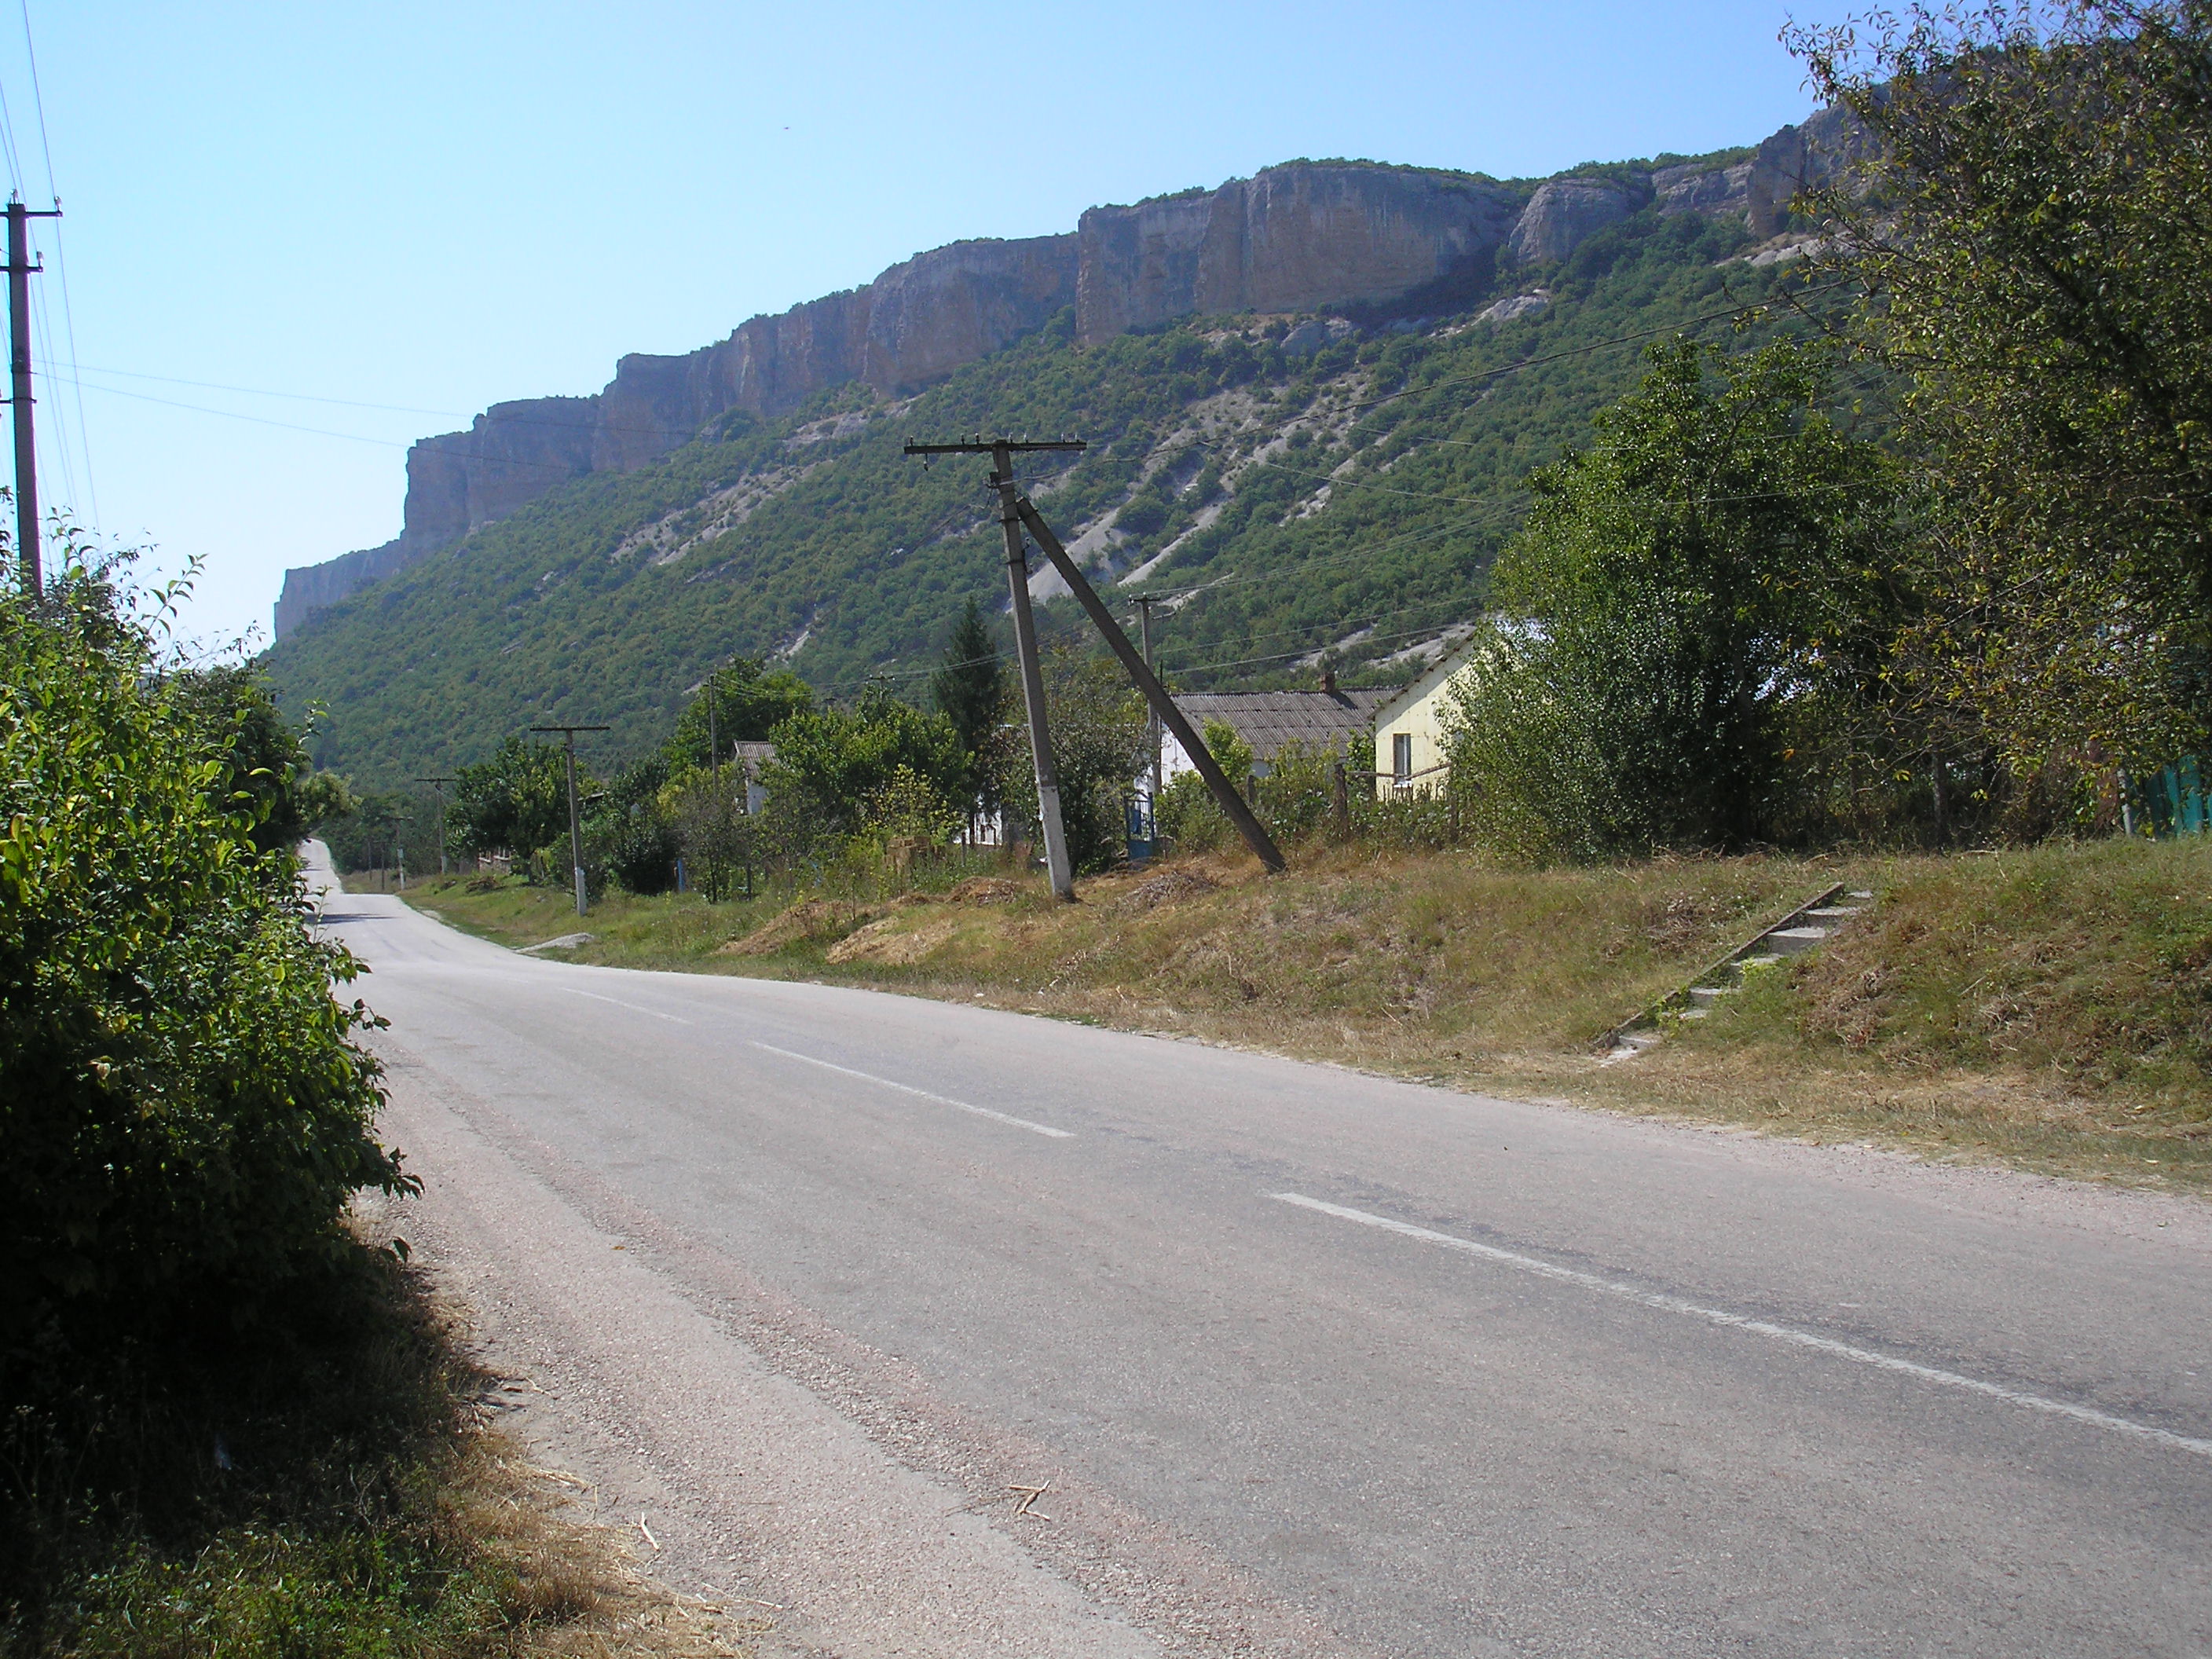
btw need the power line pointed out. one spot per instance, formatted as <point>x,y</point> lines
<point>8,142</point>
<point>232,414</point>
<point>37,99</point>
<point>69,332</point>
<point>58,438</point>
<point>264,392</point>
<point>61,270</point>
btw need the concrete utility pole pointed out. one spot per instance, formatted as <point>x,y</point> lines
<point>1017,512</point>
<point>20,272</point>
<point>439,785</point>
<point>575,815</point>
<point>1002,451</point>
<point>1144,604</point>
<point>714,735</point>
<point>1239,812</point>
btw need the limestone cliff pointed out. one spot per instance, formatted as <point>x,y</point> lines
<point>1294,238</point>
<point>1564,213</point>
<point>1291,238</point>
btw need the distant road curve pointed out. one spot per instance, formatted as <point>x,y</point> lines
<point>823,1284</point>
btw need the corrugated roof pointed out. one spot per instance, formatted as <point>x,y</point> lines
<point>1271,721</point>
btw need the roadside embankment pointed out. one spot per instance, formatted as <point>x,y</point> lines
<point>2051,1007</point>
<point>321,1484</point>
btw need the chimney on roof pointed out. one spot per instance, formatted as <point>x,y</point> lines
<point>1328,681</point>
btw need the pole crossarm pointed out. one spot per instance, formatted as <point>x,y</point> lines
<point>992,445</point>
<point>1240,814</point>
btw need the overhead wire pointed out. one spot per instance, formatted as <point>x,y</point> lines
<point>42,312</point>
<point>265,392</point>
<point>235,415</point>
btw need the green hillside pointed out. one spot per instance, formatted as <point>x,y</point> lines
<point>609,599</point>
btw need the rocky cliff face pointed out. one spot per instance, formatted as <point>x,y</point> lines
<point>1564,213</point>
<point>1293,238</point>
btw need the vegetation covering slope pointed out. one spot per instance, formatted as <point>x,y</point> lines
<point>1338,489</point>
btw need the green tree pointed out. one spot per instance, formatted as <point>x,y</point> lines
<point>830,764</point>
<point>970,689</point>
<point>2035,257</point>
<point>516,802</point>
<point>1697,603</point>
<point>266,763</point>
<point>1098,724</point>
<point>716,840</point>
<point>748,701</point>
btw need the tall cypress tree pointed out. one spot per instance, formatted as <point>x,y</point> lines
<point>969,688</point>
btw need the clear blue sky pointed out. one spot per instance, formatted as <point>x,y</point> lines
<point>438,207</point>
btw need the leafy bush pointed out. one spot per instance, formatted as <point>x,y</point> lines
<point>1188,815</point>
<point>183,1112</point>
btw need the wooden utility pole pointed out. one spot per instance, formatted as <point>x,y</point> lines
<point>1002,451</point>
<point>575,815</point>
<point>20,272</point>
<point>438,784</point>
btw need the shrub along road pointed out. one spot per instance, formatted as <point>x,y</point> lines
<point>1308,1361</point>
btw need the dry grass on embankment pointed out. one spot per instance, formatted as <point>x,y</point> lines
<point>2051,1007</point>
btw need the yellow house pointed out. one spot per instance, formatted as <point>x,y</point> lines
<point>1409,730</point>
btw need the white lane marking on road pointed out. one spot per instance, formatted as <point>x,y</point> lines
<point>619,1003</point>
<point>942,1100</point>
<point>1675,1305</point>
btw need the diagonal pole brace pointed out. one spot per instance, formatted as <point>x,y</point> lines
<point>1240,814</point>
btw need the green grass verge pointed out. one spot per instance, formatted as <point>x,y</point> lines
<point>2050,1007</point>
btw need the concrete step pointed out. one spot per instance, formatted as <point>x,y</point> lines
<point>1705,995</point>
<point>1694,1013</point>
<point>1795,941</point>
<point>1834,914</point>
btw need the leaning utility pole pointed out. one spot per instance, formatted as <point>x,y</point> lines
<point>20,272</point>
<point>575,815</point>
<point>1017,512</point>
<point>439,785</point>
<point>1001,451</point>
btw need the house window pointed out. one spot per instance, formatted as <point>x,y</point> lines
<point>1401,758</point>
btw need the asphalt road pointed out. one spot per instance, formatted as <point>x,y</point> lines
<point>1307,1362</point>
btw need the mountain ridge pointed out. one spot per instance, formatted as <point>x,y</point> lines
<point>1298,238</point>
